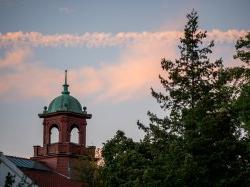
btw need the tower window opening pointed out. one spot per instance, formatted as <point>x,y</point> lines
<point>74,135</point>
<point>54,135</point>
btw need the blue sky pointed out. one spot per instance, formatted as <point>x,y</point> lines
<point>112,50</point>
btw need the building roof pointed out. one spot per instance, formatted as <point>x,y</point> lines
<point>41,175</point>
<point>51,179</point>
<point>64,102</point>
<point>27,163</point>
<point>8,167</point>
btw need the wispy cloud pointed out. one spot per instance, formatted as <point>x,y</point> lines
<point>14,57</point>
<point>135,71</point>
<point>36,39</point>
<point>19,78</point>
<point>66,10</point>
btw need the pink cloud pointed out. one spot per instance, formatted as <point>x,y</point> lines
<point>14,57</point>
<point>100,39</point>
<point>132,76</point>
<point>136,71</point>
<point>226,36</point>
<point>66,10</point>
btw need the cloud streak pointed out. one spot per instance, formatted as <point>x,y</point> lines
<point>14,57</point>
<point>101,39</point>
<point>66,10</point>
<point>132,76</point>
<point>136,69</point>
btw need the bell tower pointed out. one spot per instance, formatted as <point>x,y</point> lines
<point>64,114</point>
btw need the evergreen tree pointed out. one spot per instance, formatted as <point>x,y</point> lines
<point>199,143</point>
<point>242,104</point>
<point>243,49</point>
<point>200,101</point>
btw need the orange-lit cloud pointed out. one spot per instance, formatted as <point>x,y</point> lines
<point>136,70</point>
<point>226,36</point>
<point>96,39</point>
<point>133,75</point>
<point>25,79</point>
<point>14,57</point>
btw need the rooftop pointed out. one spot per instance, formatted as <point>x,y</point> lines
<point>27,163</point>
<point>64,103</point>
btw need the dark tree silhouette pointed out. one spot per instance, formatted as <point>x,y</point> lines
<point>200,141</point>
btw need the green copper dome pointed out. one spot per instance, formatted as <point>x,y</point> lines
<point>65,102</point>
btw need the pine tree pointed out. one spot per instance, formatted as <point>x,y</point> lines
<point>199,141</point>
<point>200,101</point>
<point>242,104</point>
<point>243,49</point>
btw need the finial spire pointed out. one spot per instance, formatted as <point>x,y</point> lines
<point>65,86</point>
<point>65,77</point>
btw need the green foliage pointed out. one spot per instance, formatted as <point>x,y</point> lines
<point>242,49</point>
<point>242,104</point>
<point>88,171</point>
<point>190,78</point>
<point>9,180</point>
<point>125,162</point>
<point>201,141</point>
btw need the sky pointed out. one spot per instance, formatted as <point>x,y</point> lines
<point>112,50</point>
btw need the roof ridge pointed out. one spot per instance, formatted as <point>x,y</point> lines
<point>65,176</point>
<point>17,157</point>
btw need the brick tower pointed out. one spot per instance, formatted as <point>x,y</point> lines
<point>64,113</point>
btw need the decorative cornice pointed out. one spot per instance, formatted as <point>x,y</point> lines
<point>82,115</point>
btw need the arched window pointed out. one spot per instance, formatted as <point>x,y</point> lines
<point>74,135</point>
<point>54,135</point>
